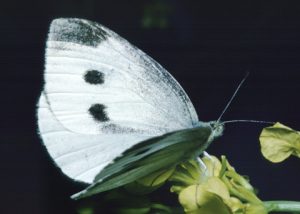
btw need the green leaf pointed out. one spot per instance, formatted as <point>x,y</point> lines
<point>159,153</point>
<point>85,210</point>
<point>141,210</point>
<point>125,203</point>
<point>278,142</point>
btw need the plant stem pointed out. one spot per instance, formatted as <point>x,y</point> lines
<point>283,206</point>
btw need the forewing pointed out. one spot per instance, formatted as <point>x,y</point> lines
<point>102,96</point>
<point>96,82</point>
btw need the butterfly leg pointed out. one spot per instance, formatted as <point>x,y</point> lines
<point>201,164</point>
<point>205,154</point>
<point>208,156</point>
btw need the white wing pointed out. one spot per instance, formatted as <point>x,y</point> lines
<point>102,92</point>
<point>80,156</point>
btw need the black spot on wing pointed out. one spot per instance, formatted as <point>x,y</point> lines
<point>98,112</point>
<point>79,31</point>
<point>94,77</point>
<point>116,129</point>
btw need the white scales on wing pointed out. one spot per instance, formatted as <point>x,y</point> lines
<point>102,95</point>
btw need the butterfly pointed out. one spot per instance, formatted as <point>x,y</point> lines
<point>108,113</point>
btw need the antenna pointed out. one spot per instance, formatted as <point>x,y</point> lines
<point>247,121</point>
<point>233,96</point>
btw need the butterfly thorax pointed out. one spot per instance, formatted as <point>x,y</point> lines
<point>216,127</point>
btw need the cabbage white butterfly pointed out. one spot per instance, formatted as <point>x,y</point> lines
<point>109,114</point>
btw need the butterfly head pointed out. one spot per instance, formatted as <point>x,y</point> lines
<point>217,128</point>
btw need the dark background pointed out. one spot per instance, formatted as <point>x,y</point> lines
<point>206,45</point>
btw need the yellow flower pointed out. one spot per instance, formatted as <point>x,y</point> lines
<point>255,209</point>
<point>278,142</point>
<point>196,199</point>
<point>218,189</point>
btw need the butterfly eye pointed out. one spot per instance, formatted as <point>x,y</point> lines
<point>98,112</point>
<point>94,77</point>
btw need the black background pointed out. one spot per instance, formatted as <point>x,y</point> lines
<point>207,46</point>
